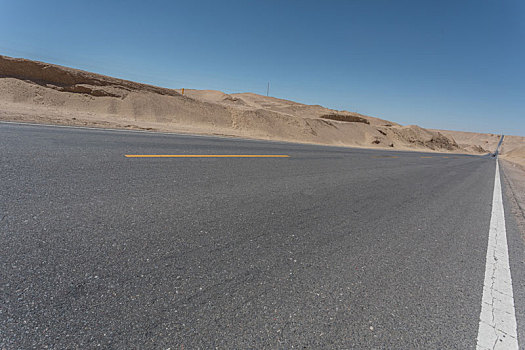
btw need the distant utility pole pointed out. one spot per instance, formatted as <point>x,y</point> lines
<point>268,89</point>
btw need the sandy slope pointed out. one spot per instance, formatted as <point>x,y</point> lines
<point>472,141</point>
<point>40,92</point>
<point>516,155</point>
<point>253,101</point>
<point>513,150</point>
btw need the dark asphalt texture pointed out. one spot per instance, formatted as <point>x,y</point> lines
<point>332,248</point>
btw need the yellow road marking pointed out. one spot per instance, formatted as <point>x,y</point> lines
<point>426,157</point>
<point>385,157</point>
<point>206,156</point>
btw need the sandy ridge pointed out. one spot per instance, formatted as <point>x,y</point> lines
<point>39,92</point>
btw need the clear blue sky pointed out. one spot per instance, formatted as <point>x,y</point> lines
<point>455,64</point>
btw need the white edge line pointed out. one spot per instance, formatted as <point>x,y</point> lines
<point>497,320</point>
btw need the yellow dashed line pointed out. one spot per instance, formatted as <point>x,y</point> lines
<point>206,156</point>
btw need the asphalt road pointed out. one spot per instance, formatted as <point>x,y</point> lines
<point>330,248</point>
<point>496,152</point>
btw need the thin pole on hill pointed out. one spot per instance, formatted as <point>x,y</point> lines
<point>268,89</point>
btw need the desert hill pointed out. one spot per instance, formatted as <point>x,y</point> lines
<point>39,92</point>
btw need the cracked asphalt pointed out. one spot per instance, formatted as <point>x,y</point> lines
<point>332,248</point>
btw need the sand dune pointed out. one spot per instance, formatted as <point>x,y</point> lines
<point>513,150</point>
<point>472,141</point>
<point>516,155</point>
<point>39,92</point>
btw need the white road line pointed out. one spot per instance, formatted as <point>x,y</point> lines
<point>497,325</point>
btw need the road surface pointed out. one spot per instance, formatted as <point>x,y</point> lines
<point>328,248</point>
<point>496,152</point>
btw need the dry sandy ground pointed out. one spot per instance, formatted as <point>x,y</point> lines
<point>513,150</point>
<point>473,141</point>
<point>33,91</point>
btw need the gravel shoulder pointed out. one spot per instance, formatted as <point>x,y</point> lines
<point>514,178</point>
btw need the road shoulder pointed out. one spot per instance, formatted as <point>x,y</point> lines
<point>514,179</point>
<point>513,185</point>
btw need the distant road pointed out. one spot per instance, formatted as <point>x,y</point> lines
<point>499,145</point>
<point>329,248</point>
